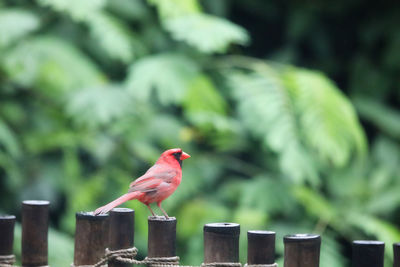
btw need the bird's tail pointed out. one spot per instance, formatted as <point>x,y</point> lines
<point>117,202</point>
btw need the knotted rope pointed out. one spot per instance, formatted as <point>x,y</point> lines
<point>217,264</point>
<point>128,256</point>
<point>7,260</point>
<point>261,265</point>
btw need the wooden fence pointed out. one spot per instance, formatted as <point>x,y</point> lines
<point>114,233</point>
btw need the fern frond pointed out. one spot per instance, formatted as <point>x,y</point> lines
<point>8,140</point>
<point>267,194</point>
<point>168,74</point>
<point>175,8</point>
<point>16,23</point>
<point>112,35</point>
<point>50,64</point>
<point>382,116</point>
<point>266,108</point>
<point>99,105</point>
<point>327,119</point>
<point>78,10</point>
<point>207,33</point>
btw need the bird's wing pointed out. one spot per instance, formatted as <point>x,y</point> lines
<point>153,178</point>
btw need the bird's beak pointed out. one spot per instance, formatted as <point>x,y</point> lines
<point>184,156</point>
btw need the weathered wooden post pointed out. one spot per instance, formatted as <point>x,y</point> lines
<point>7,239</point>
<point>396,254</point>
<point>161,237</point>
<point>260,247</point>
<point>91,238</point>
<point>35,223</point>
<point>368,253</point>
<point>221,243</point>
<point>121,233</point>
<point>302,250</point>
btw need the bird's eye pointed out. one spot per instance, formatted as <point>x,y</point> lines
<point>177,155</point>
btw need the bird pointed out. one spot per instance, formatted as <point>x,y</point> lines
<point>157,184</point>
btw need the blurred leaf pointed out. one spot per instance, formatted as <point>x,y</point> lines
<point>315,204</point>
<point>266,109</point>
<point>331,252</point>
<point>203,96</point>
<point>78,10</point>
<point>168,74</point>
<point>135,10</point>
<point>328,121</point>
<point>207,33</point>
<point>99,105</point>
<point>50,64</point>
<point>175,8</point>
<point>15,24</point>
<point>206,108</point>
<point>267,194</point>
<point>113,36</point>
<point>8,140</point>
<point>383,117</point>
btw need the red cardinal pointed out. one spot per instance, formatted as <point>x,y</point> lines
<point>158,183</point>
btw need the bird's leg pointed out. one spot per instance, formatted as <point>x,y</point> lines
<point>150,210</point>
<point>159,205</point>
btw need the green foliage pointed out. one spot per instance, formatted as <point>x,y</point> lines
<point>99,105</point>
<point>168,74</point>
<point>91,92</point>
<point>16,23</point>
<point>50,64</point>
<point>207,33</point>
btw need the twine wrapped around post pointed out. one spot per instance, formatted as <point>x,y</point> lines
<point>221,244</point>
<point>7,223</point>
<point>7,260</point>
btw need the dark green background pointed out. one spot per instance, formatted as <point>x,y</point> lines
<point>289,110</point>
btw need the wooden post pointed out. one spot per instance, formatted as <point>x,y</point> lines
<point>91,238</point>
<point>396,254</point>
<point>302,250</point>
<point>221,242</point>
<point>7,235</point>
<point>35,223</point>
<point>260,247</point>
<point>368,253</point>
<point>161,237</point>
<point>121,233</point>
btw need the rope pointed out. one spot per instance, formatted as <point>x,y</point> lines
<point>217,264</point>
<point>261,265</point>
<point>128,256</point>
<point>7,260</point>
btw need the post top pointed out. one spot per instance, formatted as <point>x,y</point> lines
<point>89,215</point>
<point>260,232</point>
<point>396,244</point>
<point>121,210</point>
<point>161,218</point>
<point>222,228</point>
<point>36,202</point>
<point>301,238</point>
<point>7,217</point>
<point>368,243</point>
